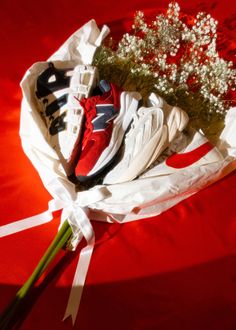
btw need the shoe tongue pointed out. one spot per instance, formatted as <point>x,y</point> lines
<point>105,86</point>
<point>102,88</point>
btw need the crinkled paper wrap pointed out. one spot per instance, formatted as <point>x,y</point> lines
<point>124,202</point>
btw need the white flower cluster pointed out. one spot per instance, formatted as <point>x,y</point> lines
<point>175,55</point>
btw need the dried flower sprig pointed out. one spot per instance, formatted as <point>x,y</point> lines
<point>175,56</point>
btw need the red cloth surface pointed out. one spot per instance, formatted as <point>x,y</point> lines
<point>173,271</point>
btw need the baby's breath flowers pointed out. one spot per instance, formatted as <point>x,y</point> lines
<point>175,56</point>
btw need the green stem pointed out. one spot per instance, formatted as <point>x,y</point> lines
<point>59,241</point>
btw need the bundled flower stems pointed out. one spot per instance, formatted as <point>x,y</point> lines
<point>9,316</point>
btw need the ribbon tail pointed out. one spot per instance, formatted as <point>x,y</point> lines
<point>27,223</point>
<point>31,222</point>
<point>78,282</point>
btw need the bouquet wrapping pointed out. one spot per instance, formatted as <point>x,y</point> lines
<point>126,201</point>
<point>193,164</point>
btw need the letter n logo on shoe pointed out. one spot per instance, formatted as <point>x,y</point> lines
<point>105,114</point>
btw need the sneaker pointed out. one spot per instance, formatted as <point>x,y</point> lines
<point>107,118</point>
<point>58,90</point>
<point>153,129</point>
<point>185,153</point>
<point>144,142</point>
<point>174,117</point>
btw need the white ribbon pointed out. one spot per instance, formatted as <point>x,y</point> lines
<point>76,213</point>
<point>36,220</point>
<point>80,215</point>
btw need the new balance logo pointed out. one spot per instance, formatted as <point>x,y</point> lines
<point>105,113</point>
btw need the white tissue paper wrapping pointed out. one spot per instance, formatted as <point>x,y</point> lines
<point>149,195</point>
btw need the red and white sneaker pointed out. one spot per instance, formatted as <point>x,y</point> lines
<point>107,118</point>
<point>185,153</point>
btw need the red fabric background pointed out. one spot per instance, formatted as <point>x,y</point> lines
<point>174,271</point>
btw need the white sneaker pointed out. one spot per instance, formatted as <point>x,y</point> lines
<point>84,79</point>
<point>185,152</point>
<point>153,130</point>
<point>59,89</point>
<point>174,117</point>
<point>144,142</point>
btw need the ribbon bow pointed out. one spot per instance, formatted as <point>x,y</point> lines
<point>75,211</point>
